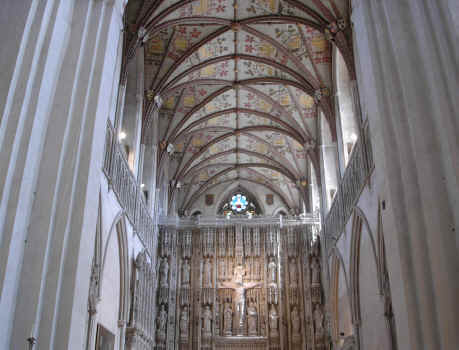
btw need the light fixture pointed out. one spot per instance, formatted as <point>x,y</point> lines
<point>122,135</point>
<point>142,185</point>
<point>353,137</point>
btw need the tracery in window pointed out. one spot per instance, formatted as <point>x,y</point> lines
<point>239,203</point>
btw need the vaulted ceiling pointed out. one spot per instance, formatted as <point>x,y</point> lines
<point>242,83</point>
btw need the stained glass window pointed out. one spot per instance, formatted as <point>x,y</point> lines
<point>239,203</point>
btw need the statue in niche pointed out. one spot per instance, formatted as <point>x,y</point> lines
<point>296,322</point>
<point>207,321</point>
<point>315,249</point>
<point>186,273</point>
<point>273,321</point>
<point>272,271</point>
<point>293,272</point>
<point>164,273</point>
<point>252,318</point>
<point>184,317</point>
<point>228,319</point>
<point>239,297</point>
<point>161,323</point>
<point>207,274</point>
<point>315,277</point>
<point>318,321</point>
<point>239,272</point>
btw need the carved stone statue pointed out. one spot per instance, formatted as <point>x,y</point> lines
<point>207,274</point>
<point>318,321</point>
<point>184,317</point>
<point>185,273</point>
<point>228,320</point>
<point>296,322</point>
<point>207,321</point>
<point>240,289</point>
<point>293,272</point>
<point>239,273</point>
<point>273,321</point>
<point>161,322</point>
<point>164,273</point>
<point>315,276</point>
<point>272,271</point>
<point>252,319</point>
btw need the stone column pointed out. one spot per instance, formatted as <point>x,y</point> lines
<point>408,53</point>
<point>139,110</point>
<point>51,159</point>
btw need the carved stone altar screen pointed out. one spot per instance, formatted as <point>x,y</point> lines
<point>235,287</point>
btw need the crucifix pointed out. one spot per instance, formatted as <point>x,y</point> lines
<point>239,288</point>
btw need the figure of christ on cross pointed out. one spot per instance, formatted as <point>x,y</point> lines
<point>240,288</point>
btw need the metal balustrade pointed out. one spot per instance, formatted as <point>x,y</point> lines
<point>222,220</point>
<point>127,190</point>
<point>355,177</point>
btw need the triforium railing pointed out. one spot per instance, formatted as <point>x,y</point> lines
<point>127,189</point>
<point>221,220</point>
<point>355,177</point>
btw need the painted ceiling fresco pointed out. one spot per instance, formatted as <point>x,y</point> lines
<point>242,83</point>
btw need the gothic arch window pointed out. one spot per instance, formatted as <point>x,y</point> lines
<point>239,202</point>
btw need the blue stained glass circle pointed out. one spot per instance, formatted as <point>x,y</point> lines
<point>239,203</point>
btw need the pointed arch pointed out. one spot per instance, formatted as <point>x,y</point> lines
<point>118,229</point>
<point>283,68</point>
<point>196,168</point>
<point>246,111</point>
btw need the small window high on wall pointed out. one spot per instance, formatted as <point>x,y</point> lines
<point>345,109</point>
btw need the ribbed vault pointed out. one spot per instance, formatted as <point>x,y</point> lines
<point>242,84</point>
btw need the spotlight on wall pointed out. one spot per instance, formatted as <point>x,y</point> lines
<point>122,135</point>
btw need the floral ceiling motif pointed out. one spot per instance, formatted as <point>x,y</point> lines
<point>242,83</point>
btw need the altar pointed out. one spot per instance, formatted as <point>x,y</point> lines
<point>232,343</point>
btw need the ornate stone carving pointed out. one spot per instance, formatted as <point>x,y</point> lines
<point>296,322</point>
<point>273,321</point>
<point>228,320</point>
<point>184,321</point>
<point>315,267</point>
<point>240,288</point>
<point>164,273</point>
<point>207,273</point>
<point>226,294</point>
<point>207,322</point>
<point>161,323</point>
<point>252,319</point>
<point>272,271</point>
<point>186,273</point>
<point>318,322</point>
